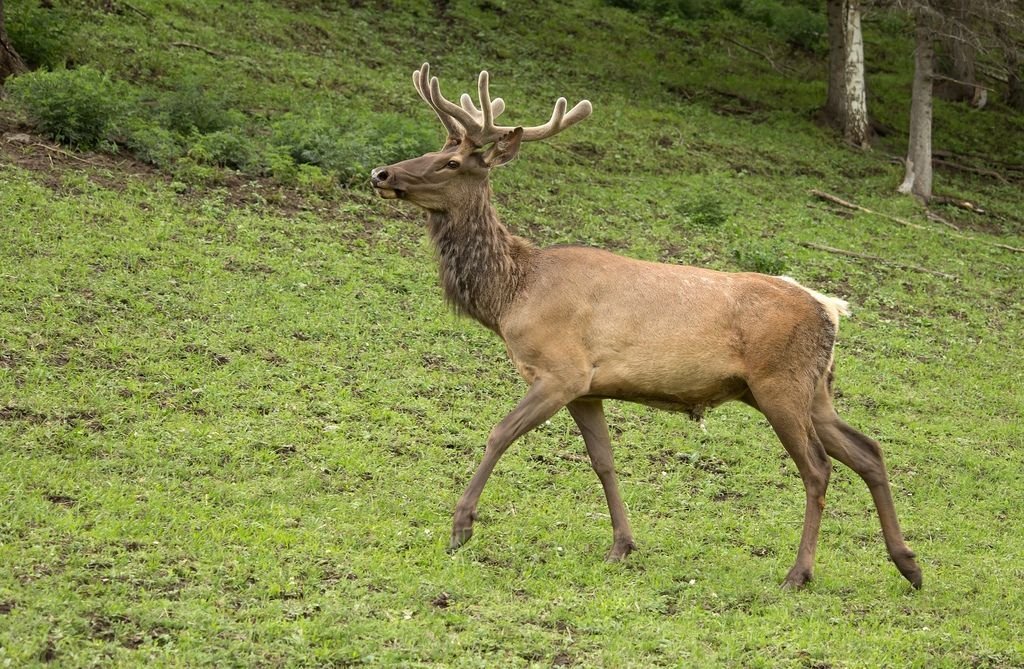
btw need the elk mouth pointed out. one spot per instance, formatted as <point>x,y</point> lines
<point>389,193</point>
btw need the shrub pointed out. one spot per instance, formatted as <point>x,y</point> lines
<point>223,148</point>
<point>76,107</point>
<point>703,209</point>
<point>797,25</point>
<point>39,35</point>
<point>194,106</point>
<point>800,27</point>
<point>684,9</point>
<point>757,258</point>
<point>349,145</point>
<point>152,143</point>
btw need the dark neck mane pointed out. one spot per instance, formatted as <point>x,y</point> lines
<point>482,264</point>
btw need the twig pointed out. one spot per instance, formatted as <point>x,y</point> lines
<point>878,259</point>
<point>757,53</point>
<point>199,47</point>
<point>850,205</point>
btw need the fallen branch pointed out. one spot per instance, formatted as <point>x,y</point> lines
<point>856,207</point>
<point>822,195</point>
<point>138,11</point>
<point>199,47</point>
<point>68,154</point>
<point>932,216</point>
<point>942,77</point>
<point>878,259</point>
<point>1013,167</point>
<point>967,168</point>
<point>966,205</point>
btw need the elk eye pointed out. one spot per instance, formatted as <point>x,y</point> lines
<point>452,165</point>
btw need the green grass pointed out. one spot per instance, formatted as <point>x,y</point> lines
<point>235,415</point>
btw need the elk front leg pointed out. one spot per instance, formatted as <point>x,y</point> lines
<point>540,403</point>
<point>589,416</point>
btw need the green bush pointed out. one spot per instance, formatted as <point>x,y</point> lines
<point>39,35</point>
<point>223,148</point>
<point>196,106</point>
<point>684,9</point>
<point>77,107</point>
<point>797,25</point>
<point>349,146</point>
<point>152,143</point>
<point>754,257</point>
<point>703,209</point>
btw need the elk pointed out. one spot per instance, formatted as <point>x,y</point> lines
<point>583,325</point>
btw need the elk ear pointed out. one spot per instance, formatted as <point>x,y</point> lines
<point>505,149</point>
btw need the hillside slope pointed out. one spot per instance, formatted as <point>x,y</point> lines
<point>235,414</point>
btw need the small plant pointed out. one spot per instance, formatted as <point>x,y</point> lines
<point>196,106</point>
<point>682,9</point>
<point>76,107</point>
<point>307,140</point>
<point>223,148</point>
<point>39,35</point>
<point>703,209</point>
<point>349,146</point>
<point>152,143</point>
<point>754,257</point>
<point>800,27</point>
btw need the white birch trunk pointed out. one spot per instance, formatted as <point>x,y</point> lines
<point>855,127</point>
<point>846,102</point>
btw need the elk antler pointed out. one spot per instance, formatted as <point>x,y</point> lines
<point>466,122</point>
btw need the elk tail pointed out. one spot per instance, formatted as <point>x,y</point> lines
<point>833,306</point>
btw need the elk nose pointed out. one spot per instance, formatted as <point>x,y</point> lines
<point>379,175</point>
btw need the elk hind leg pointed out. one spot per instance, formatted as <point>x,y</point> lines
<point>789,414</point>
<point>589,416</point>
<point>864,456</point>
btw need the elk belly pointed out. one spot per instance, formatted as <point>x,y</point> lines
<point>689,386</point>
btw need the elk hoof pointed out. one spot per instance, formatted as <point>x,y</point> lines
<point>619,551</point>
<point>459,537</point>
<point>796,579</point>
<point>908,567</point>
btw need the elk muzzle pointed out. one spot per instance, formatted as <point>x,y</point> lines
<point>381,180</point>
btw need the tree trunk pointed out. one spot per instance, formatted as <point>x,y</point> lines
<point>856,128</point>
<point>846,100</point>
<point>918,180</point>
<point>1012,56</point>
<point>10,62</point>
<point>836,64</point>
<point>1015,80</point>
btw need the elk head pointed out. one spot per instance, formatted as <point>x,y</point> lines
<point>440,179</point>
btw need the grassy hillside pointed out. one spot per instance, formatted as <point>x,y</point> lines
<point>235,414</point>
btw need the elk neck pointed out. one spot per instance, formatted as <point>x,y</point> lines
<point>482,265</point>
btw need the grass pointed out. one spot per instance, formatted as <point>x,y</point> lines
<point>235,414</point>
